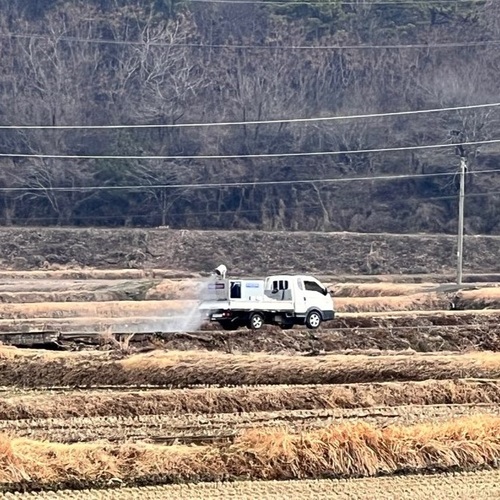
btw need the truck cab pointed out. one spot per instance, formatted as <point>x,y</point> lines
<point>284,300</point>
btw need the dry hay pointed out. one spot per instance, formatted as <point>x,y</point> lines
<point>379,289</point>
<point>184,369</point>
<point>97,309</point>
<point>345,450</point>
<point>205,401</point>
<point>415,302</point>
<point>194,368</point>
<point>482,298</point>
<point>125,308</point>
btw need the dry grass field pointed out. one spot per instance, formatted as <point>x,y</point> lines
<point>398,397</point>
<point>334,450</point>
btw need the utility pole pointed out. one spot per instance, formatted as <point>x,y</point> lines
<point>461,202</point>
<point>458,138</point>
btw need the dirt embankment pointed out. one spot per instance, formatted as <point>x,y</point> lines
<point>418,339</point>
<point>186,369</point>
<point>254,252</point>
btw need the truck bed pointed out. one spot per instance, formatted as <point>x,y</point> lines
<point>269,305</point>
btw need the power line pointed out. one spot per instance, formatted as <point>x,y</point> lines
<point>281,3</point>
<point>251,122</point>
<point>231,157</point>
<point>102,41</point>
<point>336,180</point>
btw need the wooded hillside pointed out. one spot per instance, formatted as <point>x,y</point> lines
<point>109,62</point>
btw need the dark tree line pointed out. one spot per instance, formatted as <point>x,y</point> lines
<point>56,71</point>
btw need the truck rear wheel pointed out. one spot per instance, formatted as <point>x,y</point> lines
<point>256,321</point>
<point>313,320</point>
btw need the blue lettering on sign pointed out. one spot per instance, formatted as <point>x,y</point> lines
<point>252,285</point>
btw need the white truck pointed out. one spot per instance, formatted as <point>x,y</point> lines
<point>284,300</point>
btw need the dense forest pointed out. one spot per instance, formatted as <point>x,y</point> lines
<point>170,62</point>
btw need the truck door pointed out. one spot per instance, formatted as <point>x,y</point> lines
<point>300,299</point>
<point>314,294</point>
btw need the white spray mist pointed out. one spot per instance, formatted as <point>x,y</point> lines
<point>188,320</point>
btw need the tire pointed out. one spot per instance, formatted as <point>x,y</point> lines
<point>256,321</point>
<point>313,320</point>
<point>229,325</point>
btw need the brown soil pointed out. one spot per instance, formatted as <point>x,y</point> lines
<point>416,338</point>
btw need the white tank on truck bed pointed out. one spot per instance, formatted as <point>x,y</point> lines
<point>284,300</point>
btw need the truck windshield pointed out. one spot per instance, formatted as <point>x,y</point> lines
<point>312,286</point>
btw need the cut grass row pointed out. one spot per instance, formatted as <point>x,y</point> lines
<point>191,368</point>
<point>346,450</point>
<point>481,485</point>
<point>211,401</point>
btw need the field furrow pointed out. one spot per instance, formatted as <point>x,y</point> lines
<point>420,331</point>
<point>189,428</point>
<point>483,485</point>
<point>185,369</point>
<point>340,450</point>
<point>127,402</point>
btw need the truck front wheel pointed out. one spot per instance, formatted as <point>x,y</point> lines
<point>313,320</point>
<point>256,321</point>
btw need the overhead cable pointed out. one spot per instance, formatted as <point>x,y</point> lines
<point>281,3</point>
<point>242,156</point>
<point>335,180</point>
<point>232,46</point>
<point>253,122</point>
